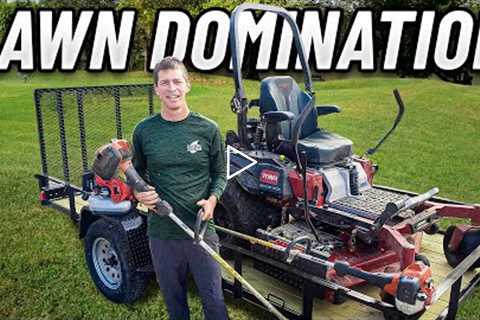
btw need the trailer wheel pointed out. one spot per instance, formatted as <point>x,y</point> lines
<point>110,263</point>
<point>470,241</point>
<point>248,212</point>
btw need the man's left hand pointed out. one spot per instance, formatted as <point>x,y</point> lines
<point>208,206</point>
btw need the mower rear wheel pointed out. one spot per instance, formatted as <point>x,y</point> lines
<point>248,212</point>
<point>467,245</point>
<point>223,218</point>
<point>110,262</point>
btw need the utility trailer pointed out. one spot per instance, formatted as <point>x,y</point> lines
<point>306,223</point>
<point>73,122</point>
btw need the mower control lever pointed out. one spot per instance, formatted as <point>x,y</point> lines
<point>394,208</point>
<point>199,227</point>
<point>278,116</point>
<point>324,110</point>
<point>401,110</point>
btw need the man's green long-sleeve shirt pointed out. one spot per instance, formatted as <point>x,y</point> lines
<point>185,162</point>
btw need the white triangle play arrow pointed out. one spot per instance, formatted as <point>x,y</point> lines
<point>230,150</point>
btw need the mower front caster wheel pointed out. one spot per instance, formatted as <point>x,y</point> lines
<point>110,263</point>
<point>470,241</point>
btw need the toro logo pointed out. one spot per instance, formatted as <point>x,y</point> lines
<point>269,177</point>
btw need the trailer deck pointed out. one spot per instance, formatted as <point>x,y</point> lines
<point>292,299</point>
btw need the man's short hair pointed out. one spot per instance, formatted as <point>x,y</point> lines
<point>170,63</point>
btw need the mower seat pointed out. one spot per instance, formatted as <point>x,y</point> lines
<point>282,93</point>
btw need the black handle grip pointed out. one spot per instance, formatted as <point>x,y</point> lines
<point>200,227</point>
<point>325,110</point>
<point>379,280</point>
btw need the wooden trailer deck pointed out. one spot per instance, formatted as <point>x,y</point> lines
<point>431,247</point>
<point>265,284</point>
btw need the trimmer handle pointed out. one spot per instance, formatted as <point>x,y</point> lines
<point>377,279</point>
<point>200,227</point>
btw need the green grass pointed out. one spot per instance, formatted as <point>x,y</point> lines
<point>42,270</point>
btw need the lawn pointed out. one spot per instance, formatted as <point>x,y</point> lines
<point>42,271</point>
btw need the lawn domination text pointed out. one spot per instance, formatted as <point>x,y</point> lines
<point>46,40</point>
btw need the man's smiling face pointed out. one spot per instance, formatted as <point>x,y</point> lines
<point>172,88</point>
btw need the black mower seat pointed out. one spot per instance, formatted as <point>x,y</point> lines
<point>323,147</point>
<point>282,93</point>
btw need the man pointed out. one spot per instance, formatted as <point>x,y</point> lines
<point>181,154</point>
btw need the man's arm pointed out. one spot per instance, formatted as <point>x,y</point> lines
<point>218,169</point>
<point>218,176</point>
<point>139,161</point>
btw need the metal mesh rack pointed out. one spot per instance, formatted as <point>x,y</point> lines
<point>76,121</point>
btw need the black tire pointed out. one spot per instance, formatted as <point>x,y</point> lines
<point>248,212</point>
<point>433,229</point>
<point>467,245</point>
<point>223,218</point>
<point>453,257</point>
<point>110,263</point>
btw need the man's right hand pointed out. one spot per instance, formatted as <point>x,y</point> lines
<point>147,198</point>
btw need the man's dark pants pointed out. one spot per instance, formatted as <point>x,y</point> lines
<point>172,260</point>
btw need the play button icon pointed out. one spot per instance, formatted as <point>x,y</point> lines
<point>247,163</point>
